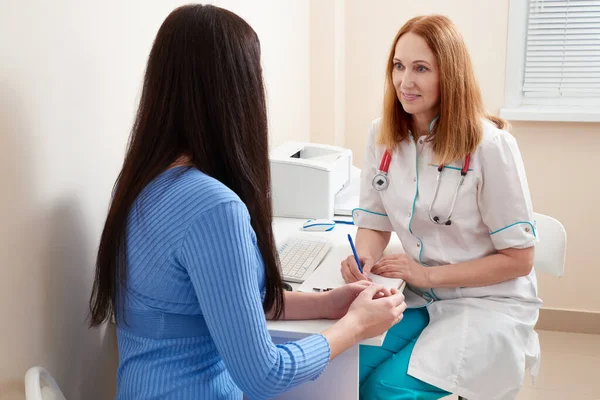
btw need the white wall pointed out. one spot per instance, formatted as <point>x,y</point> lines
<point>327,71</point>
<point>70,74</point>
<point>283,30</point>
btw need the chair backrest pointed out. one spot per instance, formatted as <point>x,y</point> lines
<point>39,385</point>
<point>551,250</point>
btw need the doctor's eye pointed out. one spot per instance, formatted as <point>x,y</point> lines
<point>421,68</point>
<point>398,66</point>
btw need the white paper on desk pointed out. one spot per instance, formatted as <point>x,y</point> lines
<point>389,283</point>
<point>331,278</point>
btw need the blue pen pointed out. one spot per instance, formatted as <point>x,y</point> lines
<point>355,255</point>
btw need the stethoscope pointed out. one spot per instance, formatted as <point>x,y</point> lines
<point>381,181</point>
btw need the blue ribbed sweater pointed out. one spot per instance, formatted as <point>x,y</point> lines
<point>194,325</point>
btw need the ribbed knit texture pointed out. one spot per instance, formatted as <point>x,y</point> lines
<point>194,326</point>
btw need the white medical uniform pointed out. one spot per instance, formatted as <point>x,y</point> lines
<point>479,340</point>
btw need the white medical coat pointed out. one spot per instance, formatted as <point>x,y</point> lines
<point>479,340</point>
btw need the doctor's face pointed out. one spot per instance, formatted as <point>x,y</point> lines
<point>415,76</point>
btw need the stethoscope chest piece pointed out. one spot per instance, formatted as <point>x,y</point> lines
<point>381,181</point>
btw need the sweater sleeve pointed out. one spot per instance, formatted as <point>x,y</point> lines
<point>221,258</point>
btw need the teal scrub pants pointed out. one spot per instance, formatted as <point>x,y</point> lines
<point>382,370</point>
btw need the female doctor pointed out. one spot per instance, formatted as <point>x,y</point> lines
<point>450,181</point>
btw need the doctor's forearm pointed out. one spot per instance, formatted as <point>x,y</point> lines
<point>371,243</point>
<point>501,267</point>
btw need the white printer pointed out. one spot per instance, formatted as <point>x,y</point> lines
<point>305,178</point>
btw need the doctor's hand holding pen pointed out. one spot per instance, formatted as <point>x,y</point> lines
<point>370,246</point>
<point>350,268</point>
<point>360,269</point>
<point>391,266</point>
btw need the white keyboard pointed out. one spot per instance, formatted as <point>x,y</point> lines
<point>300,255</point>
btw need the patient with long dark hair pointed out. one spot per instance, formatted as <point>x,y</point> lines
<point>187,263</point>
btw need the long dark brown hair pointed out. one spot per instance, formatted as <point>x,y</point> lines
<point>202,97</point>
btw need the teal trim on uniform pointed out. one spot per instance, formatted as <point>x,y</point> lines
<point>367,211</point>
<point>435,296</point>
<point>412,213</point>
<point>430,296</point>
<point>516,223</point>
<point>449,167</point>
<point>430,300</point>
<point>432,121</point>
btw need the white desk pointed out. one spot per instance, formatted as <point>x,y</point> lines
<point>340,380</point>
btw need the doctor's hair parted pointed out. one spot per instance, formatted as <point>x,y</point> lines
<point>457,130</point>
<point>202,97</point>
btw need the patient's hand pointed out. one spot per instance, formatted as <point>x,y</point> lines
<point>337,301</point>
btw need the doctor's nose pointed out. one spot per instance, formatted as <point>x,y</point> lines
<point>407,81</point>
<point>406,86</point>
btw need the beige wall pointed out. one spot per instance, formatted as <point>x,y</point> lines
<point>563,151</point>
<point>561,160</point>
<point>327,71</point>
<point>283,29</point>
<point>70,72</point>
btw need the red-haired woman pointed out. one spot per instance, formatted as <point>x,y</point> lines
<point>449,180</point>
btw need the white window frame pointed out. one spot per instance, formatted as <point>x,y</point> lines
<point>516,106</point>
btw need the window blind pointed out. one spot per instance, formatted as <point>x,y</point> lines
<point>563,49</point>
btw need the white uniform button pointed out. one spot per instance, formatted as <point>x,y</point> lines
<point>526,229</point>
<point>419,244</point>
<point>409,215</point>
<point>421,141</point>
<point>415,179</point>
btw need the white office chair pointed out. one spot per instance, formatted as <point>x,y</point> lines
<point>551,249</point>
<point>39,385</point>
